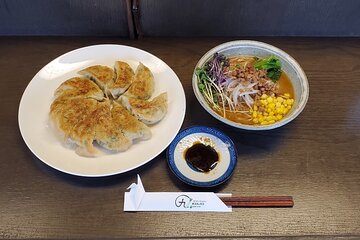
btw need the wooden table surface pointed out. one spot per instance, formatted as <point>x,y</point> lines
<point>315,158</point>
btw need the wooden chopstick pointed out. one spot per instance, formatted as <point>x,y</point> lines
<point>271,201</point>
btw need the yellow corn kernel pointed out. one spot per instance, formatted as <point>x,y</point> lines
<point>265,114</point>
<point>255,108</point>
<point>270,99</point>
<point>271,113</point>
<point>282,110</point>
<point>279,117</point>
<point>271,105</point>
<point>254,114</point>
<point>280,99</point>
<point>264,123</point>
<point>287,95</point>
<point>271,121</point>
<point>289,101</point>
<point>264,96</point>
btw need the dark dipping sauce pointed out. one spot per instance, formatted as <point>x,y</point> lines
<point>202,157</point>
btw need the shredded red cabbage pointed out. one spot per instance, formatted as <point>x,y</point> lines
<point>214,68</point>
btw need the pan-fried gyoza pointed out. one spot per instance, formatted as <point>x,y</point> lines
<point>149,112</point>
<point>109,107</point>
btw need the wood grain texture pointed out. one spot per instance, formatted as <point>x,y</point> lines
<point>315,159</point>
<point>250,18</point>
<point>63,18</point>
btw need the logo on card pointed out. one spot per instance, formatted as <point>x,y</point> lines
<point>184,201</point>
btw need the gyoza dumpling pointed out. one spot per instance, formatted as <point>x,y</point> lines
<point>149,112</point>
<point>110,136</point>
<point>62,115</point>
<point>130,126</point>
<point>85,130</point>
<point>124,77</point>
<point>79,87</point>
<point>143,84</point>
<point>102,75</point>
<point>75,118</point>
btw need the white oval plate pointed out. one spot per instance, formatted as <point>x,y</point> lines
<point>38,96</point>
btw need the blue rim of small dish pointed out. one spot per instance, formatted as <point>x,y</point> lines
<point>212,131</point>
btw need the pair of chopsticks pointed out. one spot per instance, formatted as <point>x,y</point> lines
<point>273,201</point>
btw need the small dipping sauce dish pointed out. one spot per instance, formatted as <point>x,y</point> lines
<point>202,156</point>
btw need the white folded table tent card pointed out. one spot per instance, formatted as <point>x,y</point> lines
<point>139,200</point>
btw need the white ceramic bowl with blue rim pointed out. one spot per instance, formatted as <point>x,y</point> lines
<point>222,144</point>
<point>289,65</point>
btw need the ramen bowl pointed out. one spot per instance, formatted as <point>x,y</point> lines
<point>289,66</point>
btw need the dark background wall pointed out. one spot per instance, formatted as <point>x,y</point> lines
<point>63,17</point>
<point>250,17</point>
<point>182,17</point>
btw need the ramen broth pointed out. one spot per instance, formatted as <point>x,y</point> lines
<point>285,85</point>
